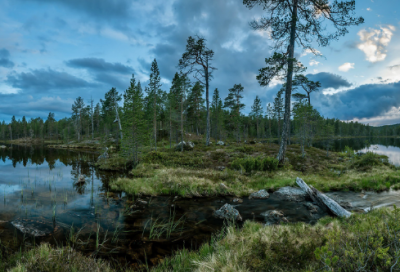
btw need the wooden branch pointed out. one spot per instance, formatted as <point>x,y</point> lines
<point>322,200</point>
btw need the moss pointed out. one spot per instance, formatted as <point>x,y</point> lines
<point>114,163</point>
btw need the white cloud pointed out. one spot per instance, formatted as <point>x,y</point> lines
<point>374,42</point>
<point>314,62</point>
<point>346,67</point>
<point>369,9</point>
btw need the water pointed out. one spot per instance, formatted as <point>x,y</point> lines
<point>40,193</point>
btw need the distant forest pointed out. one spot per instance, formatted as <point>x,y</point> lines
<point>134,115</point>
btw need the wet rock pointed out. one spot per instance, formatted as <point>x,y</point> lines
<point>221,168</point>
<point>30,228</point>
<point>262,194</point>
<point>223,186</point>
<point>228,212</point>
<point>186,146</point>
<point>220,143</point>
<point>141,202</point>
<point>291,194</point>
<point>344,204</point>
<point>274,217</point>
<point>311,207</point>
<point>237,200</point>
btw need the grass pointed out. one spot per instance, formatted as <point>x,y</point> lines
<point>338,172</point>
<point>364,242</point>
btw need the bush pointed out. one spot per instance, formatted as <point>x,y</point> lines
<point>249,164</point>
<point>368,160</point>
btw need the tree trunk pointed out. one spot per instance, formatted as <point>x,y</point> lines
<point>208,107</point>
<point>288,92</point>
<point>155,119</point>
<point>322,200</point>
<point>184,88</point>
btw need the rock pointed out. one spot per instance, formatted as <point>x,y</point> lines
<point>262,194</point>
<point>228,212</point>
<point>141,202</point>
<point>223,186</point>
<point>221,168</point>
<point>186,146</point>
<point>312,208</point>
<point>237,200</point>
<point>220,143</point>
<point>292,194</point>
<point>345,204</point>
<point>3,146</point>
<point>32,228</point>
<point>274,217</point>
<point>104,155</point>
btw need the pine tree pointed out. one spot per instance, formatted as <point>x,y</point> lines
<point>256,112</point>
<point>233,102</point>
<point>133,126</point>
<point>77,108</point>
<point>153,93</point>
<point>216,111</point>
<point>195,105</point>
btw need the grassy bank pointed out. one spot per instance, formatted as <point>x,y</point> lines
<point>247,168</point>
<point>364,242</point>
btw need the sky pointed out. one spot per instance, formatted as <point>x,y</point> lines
<point>52,51</point>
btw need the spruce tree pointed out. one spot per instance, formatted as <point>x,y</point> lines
<point>154,91</point>
<point>256,112</point>
<point>216,110</point>
<point>195,105</point>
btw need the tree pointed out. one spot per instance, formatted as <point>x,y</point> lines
<point>233,102</point>
<point>269,115</point>
<point>308,86</point>
<point>216,110</point>
<point>301,21</point>
<point>50,122</point>
<point>133,121</point>
<point>197,58</point>
<point>77,108</point>
<point>109,108</point>
<point>154,88</point>
<point>256,112</point>
<point>278,108</point>
<point>195,104</point>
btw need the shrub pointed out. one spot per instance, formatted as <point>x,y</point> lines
<point>255,164</point>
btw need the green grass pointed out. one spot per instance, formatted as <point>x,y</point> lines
<point>364,240</point>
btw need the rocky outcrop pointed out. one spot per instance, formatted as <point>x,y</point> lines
<point>292,194</point>
<point>220,143</point>
<point>228,212</point>
<point>186,146</point>
<point>262,194</point>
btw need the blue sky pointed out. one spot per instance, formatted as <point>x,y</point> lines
<point>52,51</point>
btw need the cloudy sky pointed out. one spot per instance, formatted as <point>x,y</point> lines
<point>52,51</point>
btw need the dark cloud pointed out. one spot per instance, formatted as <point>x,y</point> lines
<point>41,80</point>
<point>329,80</point>
<point>5,59</point>
<point>96,8</point>
<point>99,65</point>
<point>365,101</point>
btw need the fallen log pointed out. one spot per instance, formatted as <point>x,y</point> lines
<point>322,200</point>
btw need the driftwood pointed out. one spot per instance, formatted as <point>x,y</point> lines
<point>323,201</point>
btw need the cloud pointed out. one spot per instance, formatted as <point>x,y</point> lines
<point>374,42</point>
<point>329,80</point>
<point>365,101</point>
<point>4,59</point>
<point>345,67</point>
<point>96,8</point>
<point>99,65</point>
<point>397,66</point>
<point>41,80</point>
<point>314,62</point>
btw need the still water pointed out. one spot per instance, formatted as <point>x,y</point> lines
<point>59,197</point>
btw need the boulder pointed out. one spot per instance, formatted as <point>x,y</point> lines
<point>220,143</point>
<point>274,217</point>
<point>292,194</point>
<point>186,146</point>
<point>237,200</point>
<point>228,212</point>
<point>3,146</point>
<point>262,194</point>
<point>311,207</point>
<point>221,168</point>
